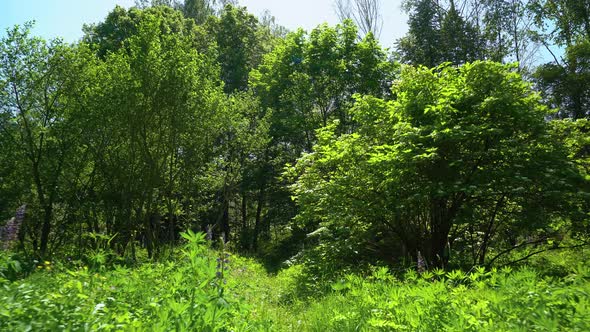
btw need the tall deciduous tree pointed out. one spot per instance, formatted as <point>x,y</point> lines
<point>197,10</point>
<point>307,81</point>
<point>162,104</point>
<point>460,31</point>
<point>121,24</point>
<point>565,81</point>
<point>242,41</point>
<point>37,107</point>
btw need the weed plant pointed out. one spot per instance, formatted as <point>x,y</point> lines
<point>207,290</point>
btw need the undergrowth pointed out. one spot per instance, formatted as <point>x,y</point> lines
<point>209,290</point>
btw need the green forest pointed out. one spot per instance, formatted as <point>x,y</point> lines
<point>190,166</point>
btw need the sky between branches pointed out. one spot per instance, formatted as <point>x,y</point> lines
<point>64,18</point>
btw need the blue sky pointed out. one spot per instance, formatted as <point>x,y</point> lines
<point>309,13</point>
<point>64,18</point>
<point>56,18</point>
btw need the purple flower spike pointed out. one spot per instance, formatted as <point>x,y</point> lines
<point>9,232</point>
<point>421,263</point>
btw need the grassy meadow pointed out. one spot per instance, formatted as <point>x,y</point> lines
<point>200,289</point>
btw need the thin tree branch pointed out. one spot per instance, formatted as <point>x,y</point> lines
<point>514,248</point>
<point>544,250</point>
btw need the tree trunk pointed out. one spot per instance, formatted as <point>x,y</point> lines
<point>489,231</point>
<point>225,220</point>
<point>441,218</point>
<point>46,228</point>
<point>244,212</point>
<point>438,241</point>
<point>258,223</point>
<point>171,223</point>
<point>148,238</point>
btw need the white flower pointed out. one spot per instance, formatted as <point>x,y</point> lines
<point>98,307</point>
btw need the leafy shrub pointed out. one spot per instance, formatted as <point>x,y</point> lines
<point>478,301</point>
<point>14,266</point>
<point>191,294</point>
<point>10,268</point>
<point>182,296</point>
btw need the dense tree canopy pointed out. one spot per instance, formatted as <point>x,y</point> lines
<point>460,31</point>
<point>37,108</point>
<point>185,115</point>
<point>305,82</point>
<point>242,41</point>
<point>461,155</point>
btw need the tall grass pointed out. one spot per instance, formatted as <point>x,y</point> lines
<point>207,290</point>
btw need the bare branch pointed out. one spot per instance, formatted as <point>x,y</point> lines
<point>343,9</point>
<point>365,13</point>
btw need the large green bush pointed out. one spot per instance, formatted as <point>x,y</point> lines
<point>462,162</point>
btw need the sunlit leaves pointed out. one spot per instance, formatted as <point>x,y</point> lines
<point>452,141</point>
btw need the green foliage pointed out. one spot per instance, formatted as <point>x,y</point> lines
<point>99,255</point>
<point>198,10</point>
<point>113,34</point>
<point>436,36</point>
<point>575,136</point>
<point>569,19</point>
<point>184,296</point>
<point>38,108</point>
<point>11,267</point>
<point>460,31</point>
<point>311,79</point>
<point>462,154</point>
<point>241,41</point>
<point>492,301</point>
<point>565,82</point>
<point>166,118</point>
<point>482,300</point>
<point>129,132</point>
<point>566,85</point>
<point>190,294</point>
<point>163,106</point>
<point>307,81</point>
